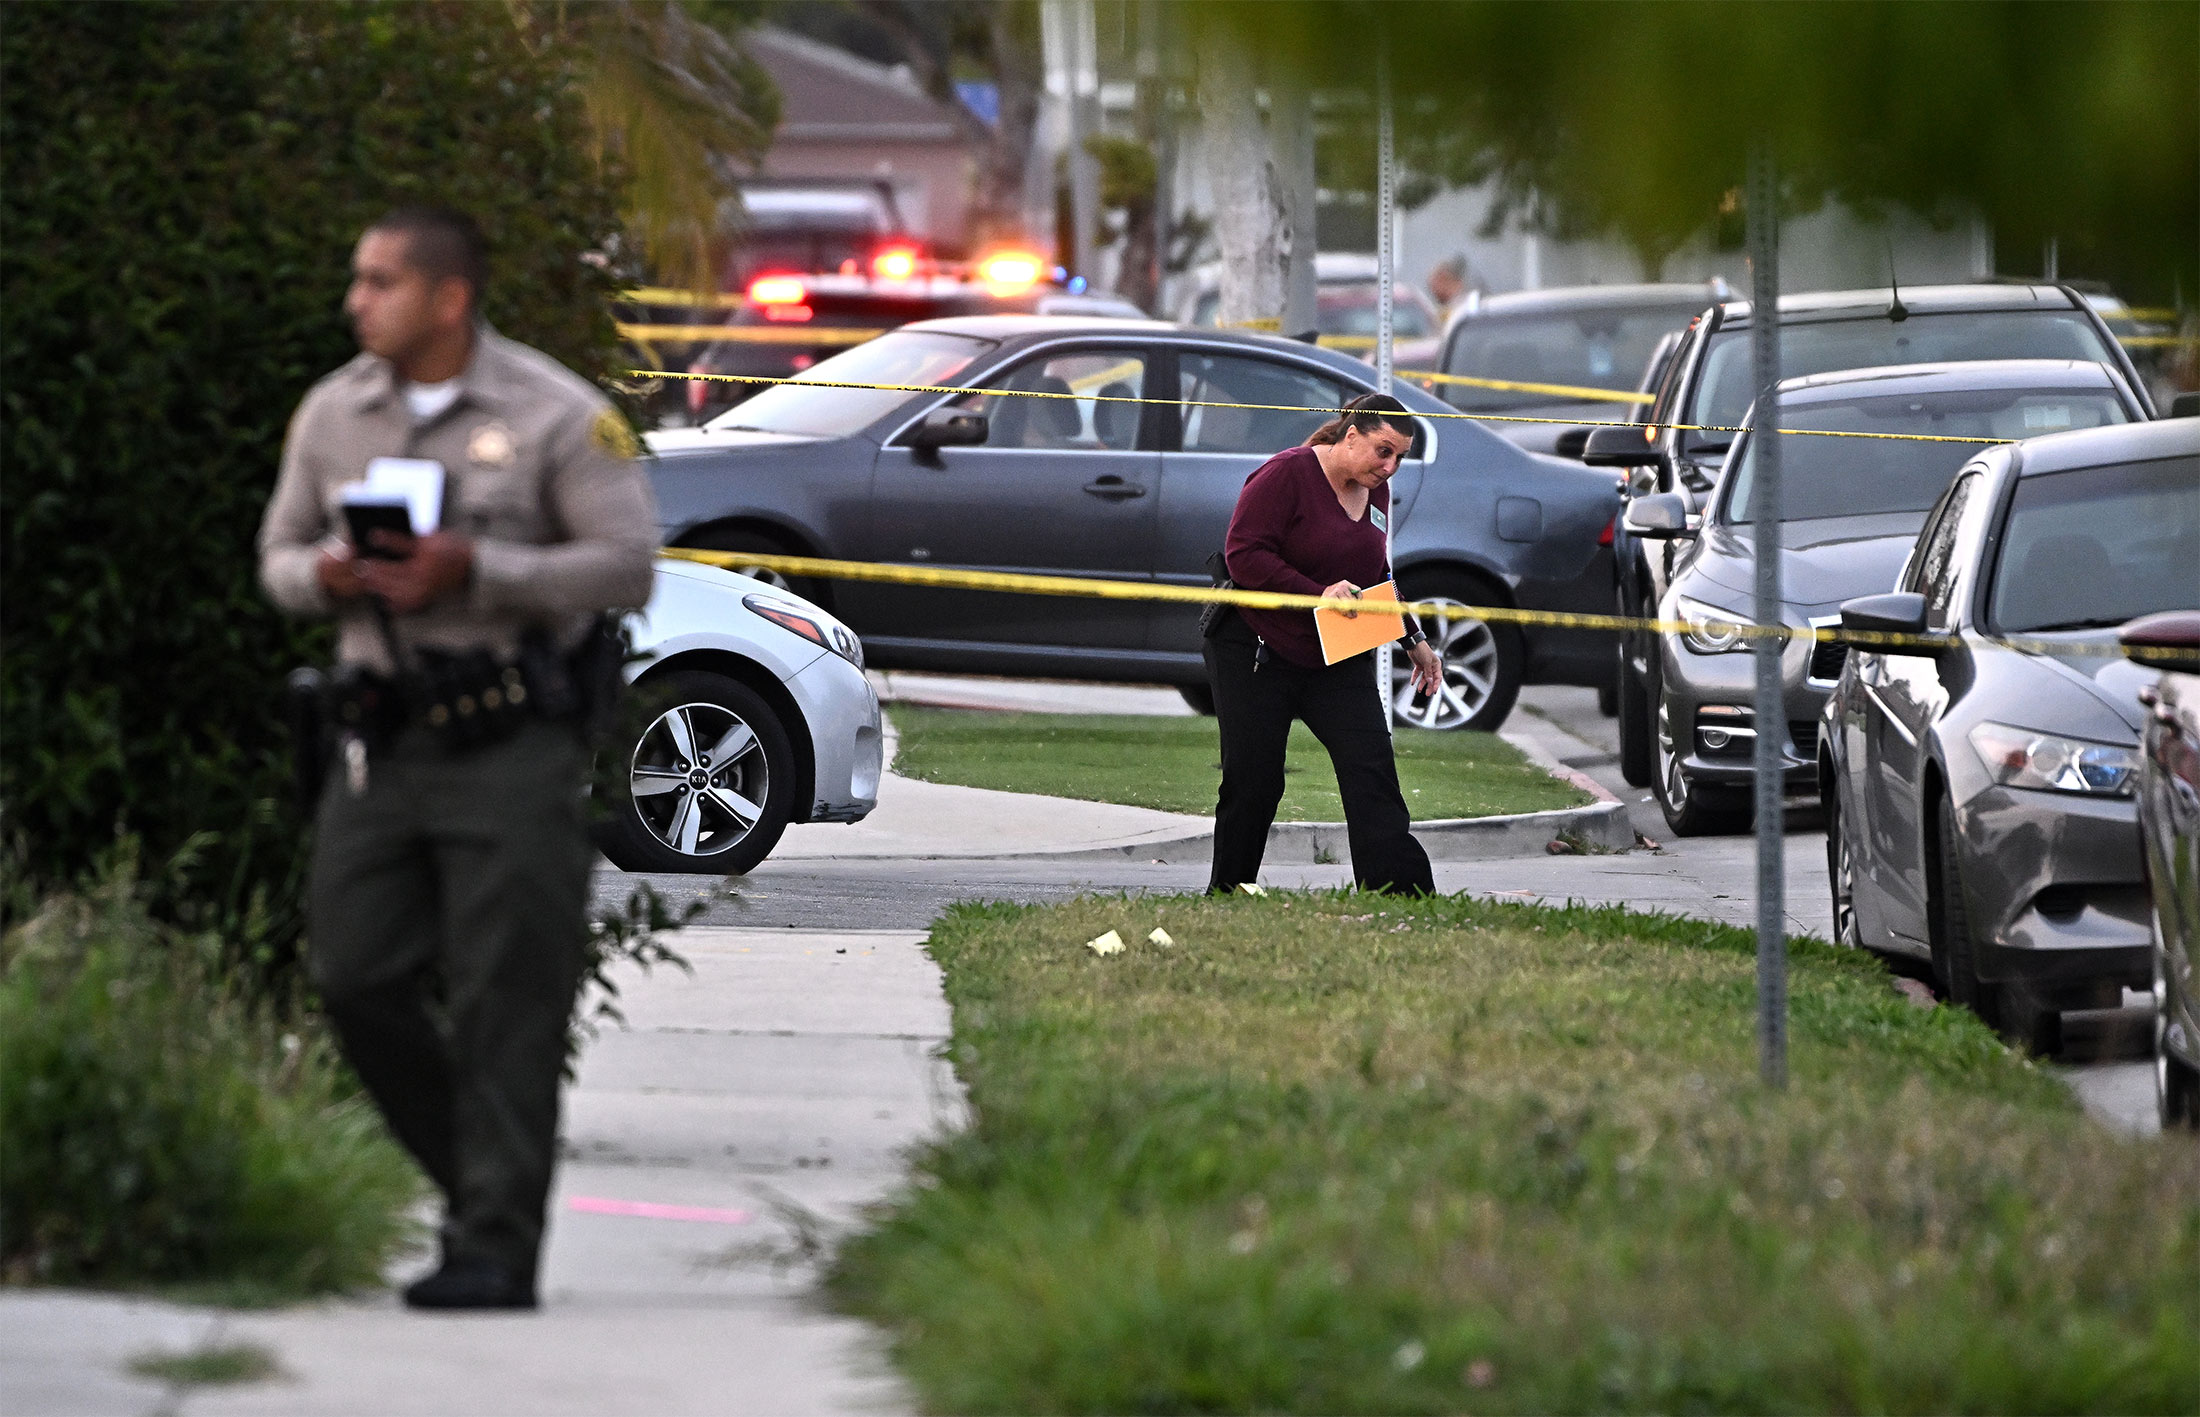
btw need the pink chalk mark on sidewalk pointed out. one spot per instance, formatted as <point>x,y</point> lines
<point>651,1210</point>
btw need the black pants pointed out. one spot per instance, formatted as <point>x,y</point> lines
<point>1255,706</point>
<point>448,919</point>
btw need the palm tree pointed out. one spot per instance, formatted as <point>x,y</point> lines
<point>676,103</point>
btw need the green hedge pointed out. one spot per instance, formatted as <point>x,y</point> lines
<point>182,187</point>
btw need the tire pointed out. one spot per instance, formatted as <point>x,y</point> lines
<point>676,828</point>
<point>2176,1082</point>
<point>1636,761</point>
<point>1608,698</point>
<point>1691,808</point>
<point>1953,947</point>
<point>1484,664</point>
<point>757,543</point>
<point>1841,872</point>
<point>1201,698</point>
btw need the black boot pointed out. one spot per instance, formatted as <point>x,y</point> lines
<point>471,1284</point>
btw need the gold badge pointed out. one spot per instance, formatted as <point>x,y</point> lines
<point>491,445</point>
<point>613,438</point>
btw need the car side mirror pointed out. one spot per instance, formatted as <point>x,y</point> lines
<point>1659,517</point>
<point>2170,640</point>
<point>1623,445</point>
<point>1570,443</point>
<point>1899,612</point>
<point>2185,405</point>
<point>949,428</point>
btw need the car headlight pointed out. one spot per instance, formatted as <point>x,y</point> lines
<point>1710,629</point>
<point>2025,757</point>
<point>825,633</point>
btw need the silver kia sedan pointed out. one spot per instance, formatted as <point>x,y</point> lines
<point>1979,784</point>
<point>1850,510</point>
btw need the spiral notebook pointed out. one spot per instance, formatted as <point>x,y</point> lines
<point>1344,636</point>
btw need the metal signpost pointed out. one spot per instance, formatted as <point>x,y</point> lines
<point>1771,714</point>
<point>1386,242</point>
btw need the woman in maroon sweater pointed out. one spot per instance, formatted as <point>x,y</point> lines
<point>1314,521</point>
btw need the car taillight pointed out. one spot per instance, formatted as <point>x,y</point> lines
<point>894,262</point>
<point>1604,537</point>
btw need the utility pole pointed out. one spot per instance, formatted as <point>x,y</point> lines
<point>1386,246</point>
<point>1763,195</point>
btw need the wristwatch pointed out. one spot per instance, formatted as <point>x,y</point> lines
<point>1415,637</point>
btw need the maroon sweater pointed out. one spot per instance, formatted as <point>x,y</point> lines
<point>1288,534</point>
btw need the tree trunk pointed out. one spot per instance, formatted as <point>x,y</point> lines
<point>1250,220</point>
<point>1291,125</point>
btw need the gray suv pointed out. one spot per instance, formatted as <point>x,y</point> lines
<point>1708,382</point>
<point>1094,483</point>
<point>1850,511</point>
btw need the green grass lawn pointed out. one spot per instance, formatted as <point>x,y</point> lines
<point>1337,1153</point>
<point>1174,764</point>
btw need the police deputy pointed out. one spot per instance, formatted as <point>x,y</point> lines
<point>1313,520</point>
<point>447,907</point>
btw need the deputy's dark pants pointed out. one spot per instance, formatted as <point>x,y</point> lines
<point>448,914</point>
<point>1340,704</point>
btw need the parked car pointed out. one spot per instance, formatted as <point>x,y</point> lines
<point>1709,383</point>
<point>1584,336</point>
<point>1850,512</point>
<point>748,710</point>
<point>1130,491</point>
<point>1979,789</point>
<point>2169,825</point>
<point>1346,296</point>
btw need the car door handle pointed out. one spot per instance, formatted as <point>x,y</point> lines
<point>1114,488</point>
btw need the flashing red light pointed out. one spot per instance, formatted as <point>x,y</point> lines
<point>894,263</point>
<point>1011,269</point>
<point>777,290</point>
<point>788,314</point>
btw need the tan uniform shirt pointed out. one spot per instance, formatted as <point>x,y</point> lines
<point>540,471</point>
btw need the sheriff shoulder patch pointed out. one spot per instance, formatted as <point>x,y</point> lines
<point>613,438</point>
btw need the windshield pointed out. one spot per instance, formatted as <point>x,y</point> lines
<point>904,357</point>
<point>2099,546</point>
<point>1844,477</point>
<point>1350,310</point>
<point>1604,348</point>
<point>1724,392</point>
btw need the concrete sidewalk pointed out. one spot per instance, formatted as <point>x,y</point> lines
<point>771,1094</point>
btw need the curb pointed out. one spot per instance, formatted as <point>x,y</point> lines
<point>1603,825</point>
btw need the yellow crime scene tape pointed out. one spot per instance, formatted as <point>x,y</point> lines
<point>751,334</point>
<point>1650,429</point>
<point>1088,588</point>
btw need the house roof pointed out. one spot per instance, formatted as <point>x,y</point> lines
<point>830,95</point>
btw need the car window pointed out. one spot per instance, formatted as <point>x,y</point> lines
<point>1600,348</point>
<point>1935,573</point>
<point>1341,309</point>
<point>1086,401</point>
<point>1297,402</point>
<point>2099,546</point>
<point>904,357</point>
<point>1842,477</point>
<point>1724,392</point>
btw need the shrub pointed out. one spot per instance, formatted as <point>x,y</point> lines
<point>160,1127</point>
<point>182,189</point>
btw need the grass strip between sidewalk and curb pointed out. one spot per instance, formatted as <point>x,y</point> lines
<point>1174,764</point>
<point>1333,1152</point>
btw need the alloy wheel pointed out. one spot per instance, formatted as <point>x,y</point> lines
<point>1843,872</point>
<point>1673,780</point>
<point>699,779</point>
<point>1468,649</point>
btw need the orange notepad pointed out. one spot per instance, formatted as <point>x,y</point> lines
<point>1344,636</point>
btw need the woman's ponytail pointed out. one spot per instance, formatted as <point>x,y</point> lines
<point>1366,413</point>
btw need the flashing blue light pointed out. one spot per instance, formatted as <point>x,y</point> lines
<point>1061,272</point>
<point>1077,285</point>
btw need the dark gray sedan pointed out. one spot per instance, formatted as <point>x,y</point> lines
<point>1979,793</point>
<point>1850,512</point>
<point>1097,484</point>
